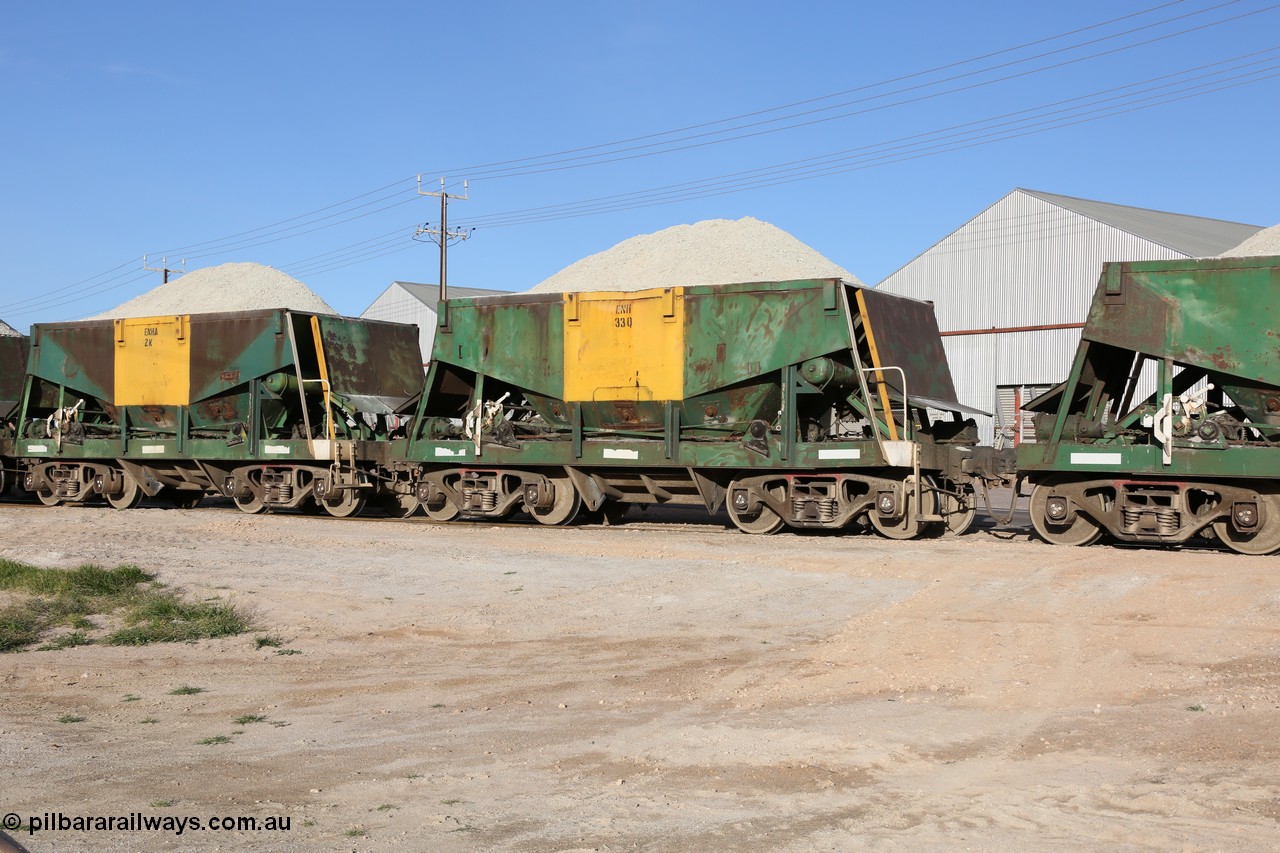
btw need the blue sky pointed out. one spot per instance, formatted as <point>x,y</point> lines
<point>290,134</point>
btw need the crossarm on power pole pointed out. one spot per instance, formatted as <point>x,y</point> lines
<point>443,235</point>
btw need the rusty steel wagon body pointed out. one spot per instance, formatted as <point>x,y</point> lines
<point>811,404</point>
<point>13,367</point>
<point>272,408</point>
<point>1194,454</point>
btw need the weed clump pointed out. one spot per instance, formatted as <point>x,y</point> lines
<point>53,598</point>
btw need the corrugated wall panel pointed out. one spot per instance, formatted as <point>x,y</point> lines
<point>980,363</point>
<point>1021,262</point>
<point>396,305</point>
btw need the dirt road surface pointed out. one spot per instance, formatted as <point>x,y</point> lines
<point>659,687</point>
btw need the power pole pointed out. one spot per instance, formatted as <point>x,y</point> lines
<point>164,267</point>
<point>442,236</point>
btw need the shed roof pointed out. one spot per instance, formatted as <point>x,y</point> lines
<point>429,294</point>
<point>1194,236</point>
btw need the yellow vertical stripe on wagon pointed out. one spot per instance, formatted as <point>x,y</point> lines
<point>153,361</point>
<point>624,346</point>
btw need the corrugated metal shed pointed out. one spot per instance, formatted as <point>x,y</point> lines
<point>1012,286</point>
<point>410,302</point>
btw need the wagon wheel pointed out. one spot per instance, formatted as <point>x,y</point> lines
<point>48,497</point>
<point>1081,531</point>
<point>762,521</point>
<point>251,504</point>
<point>565,503</point>
<point>441,509</point>
<point>1266,540</point>
<point>906,526</point>
<point>344,504</point>
<point>398,506</point>
<point>958,511</point>
<point>130,493</point>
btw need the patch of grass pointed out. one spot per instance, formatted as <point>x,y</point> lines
<point>267,642</point>
<point>186,690</point>
<point>131,697</point>
<point>67,641</point>
<point>451,802</point>
<point>71,718</point>
<point>438,705</point>
<point>279,724</point>
<point>246,719</point>
<point>20,627</point>
<point>214,741</point>
<point>148,721</point>
<point>1195,707</point>
<point>85,581</point>
<point>413,775</point>
<point>386,807</point>
<point>162,804</point>
<point>355,833</point>
<point>288,652</point>
<point>517,589</point>
<point>308,822</point>
<point>163,617</point>
<point>151,614</point>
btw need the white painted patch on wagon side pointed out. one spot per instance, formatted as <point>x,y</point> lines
<point>617,453</point>
<point>448,451</point>
<point>846,453</point>
<point>276,448</point>
<point>1097,459</point>
<point>153,448</point>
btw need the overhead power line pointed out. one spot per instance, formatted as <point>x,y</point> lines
<point>791,116</point>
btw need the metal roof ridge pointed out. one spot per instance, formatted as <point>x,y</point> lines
<point>1157,235</point>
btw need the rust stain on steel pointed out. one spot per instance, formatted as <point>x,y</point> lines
<point>160,416</point>
<point>217,410</point>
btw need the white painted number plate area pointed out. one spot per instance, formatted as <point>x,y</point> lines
<point>1096,459</point>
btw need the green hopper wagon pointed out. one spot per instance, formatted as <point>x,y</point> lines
<point>273,408</point>
<point>811,404</point>
<point>1168,426</point>
<point>13,365</point>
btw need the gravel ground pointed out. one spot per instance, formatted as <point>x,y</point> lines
<point>226,287</point>
<point>656,686</point>
<point>716,251</point>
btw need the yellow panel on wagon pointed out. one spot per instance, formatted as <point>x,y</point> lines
<point>153,361</point>
<point>624,346</point>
